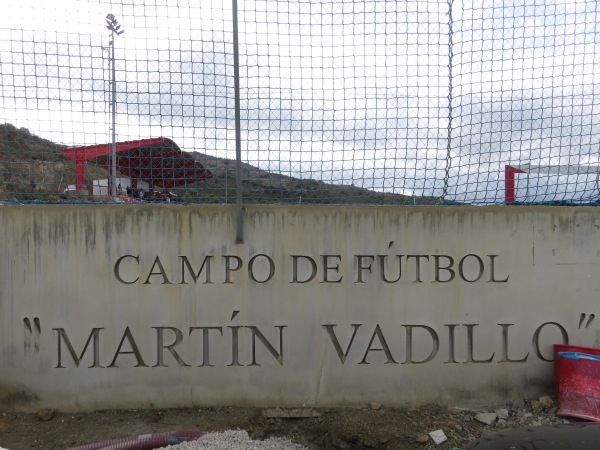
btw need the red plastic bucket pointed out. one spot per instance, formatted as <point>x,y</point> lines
<point>577,381</point>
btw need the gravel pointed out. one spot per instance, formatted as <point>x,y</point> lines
<point>235,439</point>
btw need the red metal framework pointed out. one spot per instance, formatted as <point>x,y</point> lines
<point>509,183</point>
<point>556,169</point>
<point>158,161</point>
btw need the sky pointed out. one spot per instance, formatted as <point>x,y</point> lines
<point>397,96</point>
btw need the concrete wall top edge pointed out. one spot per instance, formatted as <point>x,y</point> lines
<point>253,208</point>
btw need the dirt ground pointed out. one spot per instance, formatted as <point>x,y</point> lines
<point>373,427</point>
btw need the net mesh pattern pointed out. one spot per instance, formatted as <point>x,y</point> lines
<point>367,101</point>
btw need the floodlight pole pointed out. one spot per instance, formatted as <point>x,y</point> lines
<point>113,26</point>
<point>113,154</point>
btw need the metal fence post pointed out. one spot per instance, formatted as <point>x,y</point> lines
<point>239,238</point>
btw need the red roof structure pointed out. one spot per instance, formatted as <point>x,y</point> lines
<point>158,161</point>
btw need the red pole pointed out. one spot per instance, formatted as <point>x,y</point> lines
<point>509,183</point>
<point>79,171</point>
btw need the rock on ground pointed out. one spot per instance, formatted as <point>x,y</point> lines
<point>486,417</point>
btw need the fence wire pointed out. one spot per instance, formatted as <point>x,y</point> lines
<point>369,101</point>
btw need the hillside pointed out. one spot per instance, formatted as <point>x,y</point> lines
<point>261,186</point>
<point>33,168</point>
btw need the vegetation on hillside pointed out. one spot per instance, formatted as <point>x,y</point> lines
<point>33,168</point>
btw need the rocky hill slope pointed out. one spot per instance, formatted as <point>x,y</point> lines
<point>33,169</point>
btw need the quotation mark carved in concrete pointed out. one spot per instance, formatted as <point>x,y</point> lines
<point>582,317</point>
<point>33,330</point>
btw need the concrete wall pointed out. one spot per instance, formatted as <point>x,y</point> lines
<point>139,305</point>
